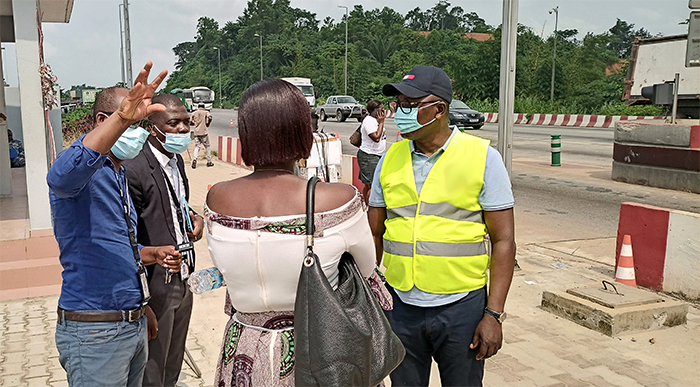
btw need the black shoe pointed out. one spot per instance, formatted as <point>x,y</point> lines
<point>210,164</point>
<point>194,164</point>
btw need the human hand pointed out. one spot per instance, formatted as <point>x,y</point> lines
<point>488,337</point>
<point>198,223</point>
<point>381,116</point>
<point>136,106</point>
<point>165,256</point>
<point>151,323</point>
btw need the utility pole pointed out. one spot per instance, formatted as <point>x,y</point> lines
<point>220,95</point>
<point>506,94</point>
<point>554,10</point>
<point>121,48</point>
<point>346,47</point>
<point>261,73</point>
<point>127,44</point>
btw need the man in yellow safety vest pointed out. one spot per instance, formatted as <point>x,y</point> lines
<point>434,198</point>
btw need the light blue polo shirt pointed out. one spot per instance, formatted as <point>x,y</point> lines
<point>495,195</point>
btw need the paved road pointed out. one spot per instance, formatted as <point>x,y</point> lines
<point>575,201</point>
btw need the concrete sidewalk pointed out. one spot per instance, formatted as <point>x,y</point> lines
<point>540,349</point>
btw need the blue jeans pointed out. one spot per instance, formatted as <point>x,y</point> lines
<point>442,333</point>
<point>104,353</point>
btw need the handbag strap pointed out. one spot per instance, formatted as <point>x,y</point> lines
<point>310,203</point>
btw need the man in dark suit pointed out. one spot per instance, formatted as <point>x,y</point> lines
<point>160,189</point>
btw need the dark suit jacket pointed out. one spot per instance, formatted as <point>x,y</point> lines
<point>150,195</point>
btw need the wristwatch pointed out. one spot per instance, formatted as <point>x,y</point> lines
<point>500,317</point>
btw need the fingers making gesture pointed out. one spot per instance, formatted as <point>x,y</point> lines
<point>137,106</point>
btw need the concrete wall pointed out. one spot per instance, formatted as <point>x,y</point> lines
<point>658,155</point>
<point>665,246</point>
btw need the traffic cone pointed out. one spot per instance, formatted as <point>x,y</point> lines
<point>231,124</point>
<point>208,187</point>
<point>625,264</point>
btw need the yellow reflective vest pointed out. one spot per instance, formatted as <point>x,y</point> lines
<point>435,240</point>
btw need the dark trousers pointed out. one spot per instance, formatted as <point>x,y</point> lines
<point>443,333</point>
<point>172,305</point>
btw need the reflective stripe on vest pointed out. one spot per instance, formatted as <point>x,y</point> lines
<point>435,241</point>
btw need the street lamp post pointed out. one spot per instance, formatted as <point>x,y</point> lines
<point>554,10</point>
<point>346,47</point>
<point>261,72</point>
<point>121,50</point>
<point>220,95</point>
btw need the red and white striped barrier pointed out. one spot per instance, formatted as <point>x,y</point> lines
<point>666,245</point>
<point>229,150</point>
<point>579,120</point>
<point>491,117</point>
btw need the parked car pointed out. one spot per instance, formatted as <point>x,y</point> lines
<point>341,107</point>
<point>462,115</point>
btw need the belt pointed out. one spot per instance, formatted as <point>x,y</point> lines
<point>125,315</point>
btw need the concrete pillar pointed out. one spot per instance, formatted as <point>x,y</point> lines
<point>5,173</point>
<point>32,107</point>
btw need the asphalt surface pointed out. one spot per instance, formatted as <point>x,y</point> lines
<point>575,201</point>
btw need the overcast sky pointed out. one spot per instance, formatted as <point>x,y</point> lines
<point>86,50</point>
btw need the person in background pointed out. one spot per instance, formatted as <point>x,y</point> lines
<point>16,157</point>
<point>434,199</point>
<point>160,189</point>
<point>201,119</point>
<point>101,328</point>
<point>258,243</point>
<point>373,144</point>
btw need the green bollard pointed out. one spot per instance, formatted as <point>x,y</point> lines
<point>556,150</point>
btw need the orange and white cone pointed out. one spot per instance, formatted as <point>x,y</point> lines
<point>231,124</point>
<point>625,264</point>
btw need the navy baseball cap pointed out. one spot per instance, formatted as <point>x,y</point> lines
<point>420,82</point>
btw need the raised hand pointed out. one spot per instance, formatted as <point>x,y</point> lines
<point>136,106</point>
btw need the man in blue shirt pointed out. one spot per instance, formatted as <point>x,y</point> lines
<point>456,328</point>
<point>101,327</point>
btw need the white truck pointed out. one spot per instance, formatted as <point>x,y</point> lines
<point>656,61</point>
<point>304,84</point>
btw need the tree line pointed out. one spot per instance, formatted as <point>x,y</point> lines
<point>383,45</point>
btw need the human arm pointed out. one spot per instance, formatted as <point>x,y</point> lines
<point>358,238</point>
<point>136,106</point>
<point>151,323</point>
<point>489,333</point>
<point>165,256</point>
<point>209,119</point>
<point>377,135</point>
<point>376,217</point>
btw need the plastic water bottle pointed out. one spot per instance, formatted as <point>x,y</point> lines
<point>205,280</point>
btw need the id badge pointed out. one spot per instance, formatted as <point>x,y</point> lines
<point>184,270</point>
<point>144,285</point>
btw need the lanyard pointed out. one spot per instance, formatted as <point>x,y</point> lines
<point>178,206</point>
<point>132,235</point>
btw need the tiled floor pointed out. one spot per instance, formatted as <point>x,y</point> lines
<point>14,210</point>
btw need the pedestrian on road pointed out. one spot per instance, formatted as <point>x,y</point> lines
<point>373,144</point>
<point>160,191</point>
<point>201,119</point>
<point>256,235</point>
<point>101,328</point>
<point>434,198</point>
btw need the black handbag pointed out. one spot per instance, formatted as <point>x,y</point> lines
<point>342,337</point>
<point>356,137</point>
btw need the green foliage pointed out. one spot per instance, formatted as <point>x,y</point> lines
<point>76,123</point>
<point>383,45</point>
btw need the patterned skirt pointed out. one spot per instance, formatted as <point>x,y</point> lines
<point>258,350</point>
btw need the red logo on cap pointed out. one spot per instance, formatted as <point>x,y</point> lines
<point>411,76</point>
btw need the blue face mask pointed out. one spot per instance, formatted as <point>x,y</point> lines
<point>408,123</point>
<point>130,143</point>
<point>175,142</point>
